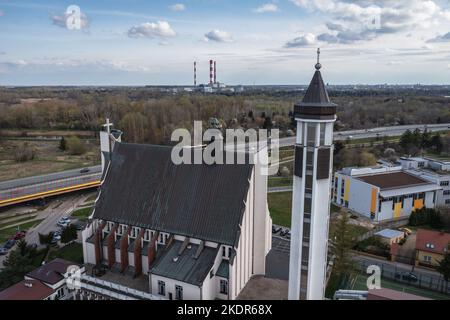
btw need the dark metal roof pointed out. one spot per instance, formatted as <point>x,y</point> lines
<point>391,180</point>
<point>144,188</point>
<point>51,272</point>
<point>185,268</point>
<point>224,269</point>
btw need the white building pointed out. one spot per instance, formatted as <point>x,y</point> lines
<point>191,231</point>
<point>315,116</point>
<point>383,192</point>
<point>432,170</point>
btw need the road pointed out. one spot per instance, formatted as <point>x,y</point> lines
<point>57,208</point>
<point>10,184</point>
<point>393,131</point>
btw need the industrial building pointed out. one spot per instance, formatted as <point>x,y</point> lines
<point>188,231</point>
<point>383,192</point>
<point>435,171</point>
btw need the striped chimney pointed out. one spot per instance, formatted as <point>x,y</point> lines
<point>211,72</point>
<point>215,72</point>
<point>195,73</point>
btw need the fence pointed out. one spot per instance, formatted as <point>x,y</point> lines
<point>424,281</point>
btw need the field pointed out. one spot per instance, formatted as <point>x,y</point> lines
<point>280,207</point>
<point>359,283</point>
<point>48,158</point>
<point>72,252</point>
<point>5,234</point>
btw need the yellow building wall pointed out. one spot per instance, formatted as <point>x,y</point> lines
<point>397,210</point>
<point>347,189</point>
<point>435,257</point>
<point>418,204</point>
<point>373,200</point>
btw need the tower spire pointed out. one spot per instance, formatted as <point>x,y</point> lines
<point>318,65</point>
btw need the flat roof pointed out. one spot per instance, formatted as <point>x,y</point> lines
<point>186,267</point>
<point>389,233</point>
<point>392,180</point>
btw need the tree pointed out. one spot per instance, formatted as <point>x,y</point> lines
<point>69,234</point>
<point>342,241</point>
<point>436,143</point>
<point>135,126</point>
<point>24,152</point>
<point>45,239</point>
<point>62,144</point>
<point>444,266</point>
<point>75,146</point>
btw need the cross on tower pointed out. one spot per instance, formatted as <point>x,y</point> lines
<point>108,125</point>
<point>318,65</point>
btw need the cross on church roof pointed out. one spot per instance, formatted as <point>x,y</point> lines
<point>108,125</point>
<point>318,65</point>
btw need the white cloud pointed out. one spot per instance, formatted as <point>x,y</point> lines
<point>268,7</point>
<point>177,7</point>
<point>441,38</point>
<point>218,36</point>
<point>151,30</point>
<point>359,20</point>
<point>304,40</point>
<point>62,20</point>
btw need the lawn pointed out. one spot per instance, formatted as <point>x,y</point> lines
<point>359,283</point>
<point>280,207</point>
<point>279,182</point>
<point>72,252</point>
<point>5,234</point>
<point>82,214</point>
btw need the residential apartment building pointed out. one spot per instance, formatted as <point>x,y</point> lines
<point>431,247</point>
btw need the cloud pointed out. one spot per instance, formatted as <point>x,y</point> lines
<point>367,20</point>
<point>151,30</point>
<point>268,7</point>
<point>305,40</point>
<point>67,20</point>
<point>177,7</point>
<point>218,36</point>
<point>441,38</point>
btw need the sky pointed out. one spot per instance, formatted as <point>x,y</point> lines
<point>137,42</point>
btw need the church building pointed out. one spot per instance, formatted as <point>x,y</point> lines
<point>187,231</point>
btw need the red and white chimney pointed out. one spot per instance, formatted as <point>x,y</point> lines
<point>211,72</point>
<point>215,73</point>
<point>195,73</point>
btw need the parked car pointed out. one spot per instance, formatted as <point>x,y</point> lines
<point>3,251</point>
<point>19,235</point>
<point>284,232</point>
<point>63,224</point>
<point>56,238</point>
<point>64,220</point>
<point>80,226</point>
<point>275,229</point>
<point>407,276</point>
<point>84,170</point>
<point>9,244</point>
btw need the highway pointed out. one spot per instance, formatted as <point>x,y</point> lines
<point>375,132</point>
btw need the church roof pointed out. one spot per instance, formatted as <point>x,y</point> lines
<point>144,188</point>
<point>316,94</point>
<point>316,103</point>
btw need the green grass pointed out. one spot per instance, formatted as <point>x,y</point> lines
<point>82,214</point>
<point>279,182</point>
<point>17,220</point>
<point>280,207</point>
<point>359,283</point>
<point>5,234</point>
<point>72,252</point>
<point>91,198</point>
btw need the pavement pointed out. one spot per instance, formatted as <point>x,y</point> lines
<point>279,189</point>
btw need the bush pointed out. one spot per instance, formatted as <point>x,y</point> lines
<point>69,234</point>
<point>24,152</point>
<point>426,216</point>
<point>75,146</point>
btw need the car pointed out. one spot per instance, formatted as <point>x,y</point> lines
<point>9,244</point>
<point>275,229</point>
<point>405,230</point>
<point>85,170</point>
<point>63,224</point>
<point>19,235</point>
<point>80,226</point>
<point>3,251</point>
<point>284,232</point>
<point>64,220</point>
<point>55,238</point>
<point>407,276</point>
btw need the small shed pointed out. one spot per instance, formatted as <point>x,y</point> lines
<point>390,236</point>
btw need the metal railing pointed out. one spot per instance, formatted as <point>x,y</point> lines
<point>115,290</point>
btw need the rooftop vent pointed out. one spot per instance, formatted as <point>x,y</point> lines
<point>175,259</point>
